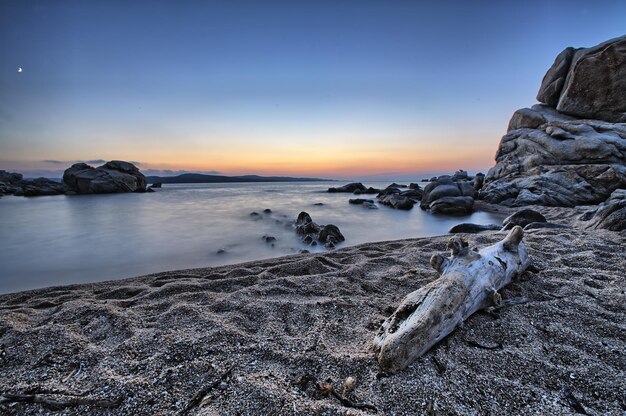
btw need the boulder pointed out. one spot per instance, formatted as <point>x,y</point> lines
<point>112,177</point>
<point>611,215</point>
<point>473,228</point>
<point>523,218</point>
<point>330,234</point>
<point>588,82</point>
<point>453,205</point>
<point>447,196</point>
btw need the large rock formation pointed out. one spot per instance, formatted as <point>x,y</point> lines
<point>114,176</point>
<point>555,158</point>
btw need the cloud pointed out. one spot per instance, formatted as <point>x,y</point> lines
<point>95,161</point>
<point>54,162</point>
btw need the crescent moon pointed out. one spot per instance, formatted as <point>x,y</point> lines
<point>19,69</point>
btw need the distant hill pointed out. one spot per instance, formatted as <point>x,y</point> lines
<point>201,178</point>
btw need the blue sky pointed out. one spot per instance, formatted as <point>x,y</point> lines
<point>340,89</point>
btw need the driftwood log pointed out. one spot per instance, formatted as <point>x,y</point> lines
<point>469,281</point>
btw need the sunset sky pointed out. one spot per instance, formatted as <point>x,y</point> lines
<point>340,89</point>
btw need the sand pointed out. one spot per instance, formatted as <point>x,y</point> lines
<point>254,338</point>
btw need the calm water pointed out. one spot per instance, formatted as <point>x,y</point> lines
<point>57,240</point>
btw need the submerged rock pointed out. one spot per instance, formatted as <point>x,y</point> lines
<point>112,177</point>
<point>360,201</point>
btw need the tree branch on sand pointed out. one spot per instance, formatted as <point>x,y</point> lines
<point>469,281</point>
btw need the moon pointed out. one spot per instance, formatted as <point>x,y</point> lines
<point>19,69</point>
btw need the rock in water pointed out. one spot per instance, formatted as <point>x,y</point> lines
<point>312,233</point>
<point>351,187</point>
<point>112,177</point>
<point>555,158</point>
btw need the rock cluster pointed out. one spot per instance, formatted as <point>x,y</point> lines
<point>394,197</point>
<point>570,150</point>
<point>312,233</point>
<point>453,195</point>
<point>114,176</point>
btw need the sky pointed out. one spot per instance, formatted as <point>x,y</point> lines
<point>337,89</point>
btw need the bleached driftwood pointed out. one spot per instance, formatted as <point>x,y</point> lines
<point>469,281</point>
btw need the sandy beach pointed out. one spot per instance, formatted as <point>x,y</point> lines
<point>269,337</point>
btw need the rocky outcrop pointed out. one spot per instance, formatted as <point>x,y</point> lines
<point>588,82</point>
<point>312,233</point>
<point>571,150</point>
<point>452,195</point>
<point>112,177</point>
<point>610,215</point>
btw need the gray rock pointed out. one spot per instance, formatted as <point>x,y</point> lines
<point>447,196</point>
<point>41,187</point>
<point>589,82</point>
<point>453,205</point>
<point>523,218</point>
<point>312,233</point>
<point>552,84</point>
<point>610,215</point>
<point>395,198</point>
<point>562,162</point>
<point>112,177</point>
<point>473,228</point>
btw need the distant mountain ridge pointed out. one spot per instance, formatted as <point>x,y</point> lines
<point>203,178</point>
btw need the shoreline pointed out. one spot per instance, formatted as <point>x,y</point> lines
<point>256,329</point>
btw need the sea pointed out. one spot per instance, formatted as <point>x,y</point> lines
<point>60,240</point>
